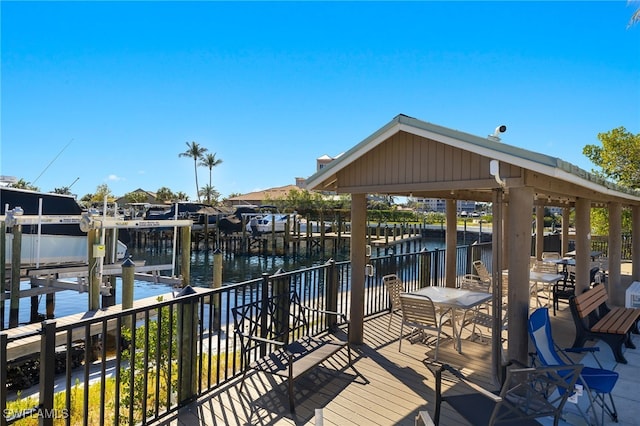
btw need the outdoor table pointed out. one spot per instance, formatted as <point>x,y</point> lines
<point>593,254</point>
<point>454,298</point>
<point>567,261</point>
<point>547,279</point>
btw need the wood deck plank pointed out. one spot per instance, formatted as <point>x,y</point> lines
<point>389,387</point>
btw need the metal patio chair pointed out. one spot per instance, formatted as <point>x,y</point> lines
<point>482,271</point>
<point>419,313</point>
<point>394,286</point>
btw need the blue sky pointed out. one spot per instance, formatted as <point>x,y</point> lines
<point>110,91</point>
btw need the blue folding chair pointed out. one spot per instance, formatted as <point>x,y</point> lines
<point>597,382</point>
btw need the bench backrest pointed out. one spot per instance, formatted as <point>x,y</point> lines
<point>590,300</point>
<point>274,317</point>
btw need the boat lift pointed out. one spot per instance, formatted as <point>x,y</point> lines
<point>95,225</point>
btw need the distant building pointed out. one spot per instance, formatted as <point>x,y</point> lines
<point>439,205</point>
<point>150,197</point>
<point>324,160</point>
<point>259,197</point>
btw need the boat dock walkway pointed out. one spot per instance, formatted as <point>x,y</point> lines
<point>19,346</point>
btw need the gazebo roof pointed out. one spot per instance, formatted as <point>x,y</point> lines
<point>408,156</point>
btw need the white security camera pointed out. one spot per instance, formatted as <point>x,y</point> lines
<point>499,129</point>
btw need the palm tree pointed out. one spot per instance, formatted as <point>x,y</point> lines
<point>210,161</point>
<point>181,196</point>
<point>211,194</point>
<point>195,151</point>
<point>635,18</point>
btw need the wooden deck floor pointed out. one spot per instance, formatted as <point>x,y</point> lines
<point>385,387</point>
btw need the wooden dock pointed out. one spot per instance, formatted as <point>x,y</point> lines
<point>19,347</point>
<point>51,280</point>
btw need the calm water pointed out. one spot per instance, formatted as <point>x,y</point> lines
<point>234,269</point>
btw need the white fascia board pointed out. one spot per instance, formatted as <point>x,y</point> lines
<point>353,154</point>
<point>550,166</point>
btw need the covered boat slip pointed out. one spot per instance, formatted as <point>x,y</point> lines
<point>410,157</point>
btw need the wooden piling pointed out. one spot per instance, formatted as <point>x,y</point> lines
<point>185,264</point>
<point>50,305</point>
<point>216,282</point>
<point>14,300</point>
<point>128,276</point>
<point>93,239</point>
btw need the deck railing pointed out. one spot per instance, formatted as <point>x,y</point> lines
<point>101,370</point>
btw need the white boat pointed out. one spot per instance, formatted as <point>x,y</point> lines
<point>266,222</point>
<point>51,231</point>
<point>47,249</point>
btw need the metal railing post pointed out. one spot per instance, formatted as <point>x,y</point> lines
<point>331,288</point>
<point>217,283</point>
<point>187,341</point>
<point>3,378</point>
<point>281,289</point>
<point>424,268</point>
<point>264,312</point>
<point>436,266</point>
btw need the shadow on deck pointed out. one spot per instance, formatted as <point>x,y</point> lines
<point>386,388</point>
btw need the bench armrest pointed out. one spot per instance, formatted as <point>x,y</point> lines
<point>259,339</point>
<point>324,311</point>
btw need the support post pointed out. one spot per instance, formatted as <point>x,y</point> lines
<point>424,268</point>
<point>47,372</point>
<point>451,238</point>
<point>14,301</point>
<point>110,245</point>
<point>566,211</point>
<point>50,301</point>
<point>3,271</point>
<point>185,255</point>
<point>496,281</point>
<point>187,341</point>
<point>358,261</point>
<point>331,289</point>
<point>216,282</point>
<point>583,244</point>
<point>635,243</point>
<point>95,279</point>
<point>128,275</point>
<point>280,286</point>
<point>539,231</point>
<point>520,215</point>
<point>4,340</point>
<point>616,290</point>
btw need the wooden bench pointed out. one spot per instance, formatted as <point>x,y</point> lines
<point>274,337</point>
<point>594,319</point>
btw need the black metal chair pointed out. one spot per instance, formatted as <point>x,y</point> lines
<point>563,290</point>
<point>527,394</point>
